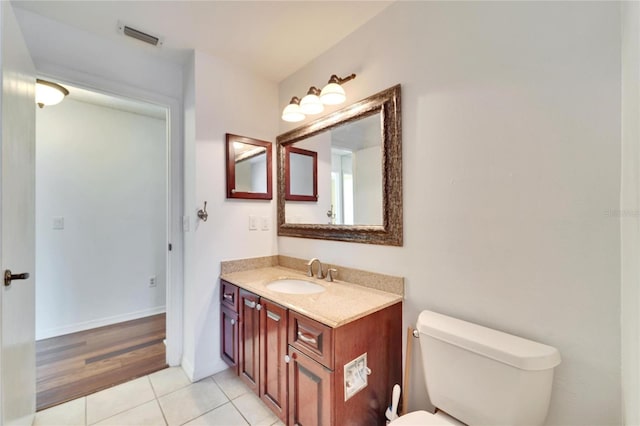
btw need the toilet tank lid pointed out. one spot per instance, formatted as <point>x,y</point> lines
<point>509,349</point>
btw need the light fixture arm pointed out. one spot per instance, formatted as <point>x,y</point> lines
<point>335,79</point>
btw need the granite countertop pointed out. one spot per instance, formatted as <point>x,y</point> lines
<point>340,304</point>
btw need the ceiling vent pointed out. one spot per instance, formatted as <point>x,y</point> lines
<point>139,35</point>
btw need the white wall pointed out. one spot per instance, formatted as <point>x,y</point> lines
<point>104,172</point>
<point>511,157</point>
<point>219,98</point>
<point>630,212</point>
<point>367,193</point>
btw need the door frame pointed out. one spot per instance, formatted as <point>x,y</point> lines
<point>174,186</point>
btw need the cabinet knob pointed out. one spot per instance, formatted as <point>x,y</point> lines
<point>233,322</point>
<point>287,359</point>
<point>258,307</point>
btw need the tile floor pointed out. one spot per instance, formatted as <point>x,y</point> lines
<point>166,397</point>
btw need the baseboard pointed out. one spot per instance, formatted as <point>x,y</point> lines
<point>101,322</point>
<point>188,369</point>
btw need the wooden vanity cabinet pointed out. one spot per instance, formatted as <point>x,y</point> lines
<point>308,389</point>
<point>273,349</point>
<point>249,362</point>
<point>262,348</point>
<point>316,370</point>
<point>229,343</point>
<point>229,337</point>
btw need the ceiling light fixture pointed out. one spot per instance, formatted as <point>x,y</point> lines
<point>48,93</point>
<point>315,99</point>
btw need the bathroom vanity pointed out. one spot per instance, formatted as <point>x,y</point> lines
<point>329,358</point>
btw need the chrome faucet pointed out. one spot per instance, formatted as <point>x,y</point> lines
<point>320,274</point>
<point>330,274</point>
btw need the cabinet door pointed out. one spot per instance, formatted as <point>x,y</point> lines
<point>273,348</point>
<point>229,335</point>
<point>249,339</point>
<point>310,391</point>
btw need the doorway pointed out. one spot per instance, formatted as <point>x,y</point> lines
<point>102,214</point>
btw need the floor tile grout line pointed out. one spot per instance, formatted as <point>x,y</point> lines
<point>164,417</point>
<point>152,387</point>
<point>216,407</point>
<point>120,412</point>
<point>241,413</point>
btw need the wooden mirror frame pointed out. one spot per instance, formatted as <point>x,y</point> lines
<point>231,169</point>
<point>387,103</point>
<point>288,149</point>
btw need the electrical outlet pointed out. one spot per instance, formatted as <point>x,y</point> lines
<point>58,222</point>
<point>152,281</point>
<point>264,223</point>
<point>253,223</point>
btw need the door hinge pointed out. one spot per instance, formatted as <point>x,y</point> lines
<point>170,247</point>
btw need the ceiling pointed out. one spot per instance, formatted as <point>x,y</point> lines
<point>272,38</point>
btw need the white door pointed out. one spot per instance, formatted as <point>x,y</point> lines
<point>17,224</point>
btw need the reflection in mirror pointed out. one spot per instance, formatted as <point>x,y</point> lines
<point>359,174</point>
<point>349,173</point>
<point>301,174</point>
<point>248,168</point>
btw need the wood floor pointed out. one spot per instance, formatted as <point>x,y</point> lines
<point>79,364</point>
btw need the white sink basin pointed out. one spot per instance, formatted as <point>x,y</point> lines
<point>294,286</point>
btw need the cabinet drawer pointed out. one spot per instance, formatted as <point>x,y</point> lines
<point>311,338</point>
<point>229,295</point>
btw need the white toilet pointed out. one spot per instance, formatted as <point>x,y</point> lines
<point>480,376</point>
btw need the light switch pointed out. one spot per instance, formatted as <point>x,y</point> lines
<point>185,223</point>
<point>264,223</point>
<point>58,222</point>
<point>253,223</point>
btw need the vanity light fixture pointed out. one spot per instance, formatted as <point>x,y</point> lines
<point>291,112</point>
<point>49,93</point>
<point>311,103</point>
<point>315,99</point>
<point>333,93</point>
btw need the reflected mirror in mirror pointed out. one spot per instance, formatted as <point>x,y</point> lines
<point>302,170</point>
<point>248,168</point>
<point>349,175</point>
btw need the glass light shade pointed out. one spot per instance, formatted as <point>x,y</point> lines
<point>292,113</point>
<point>311,104</point>
<point>332,94</point>
<point>48,93</point>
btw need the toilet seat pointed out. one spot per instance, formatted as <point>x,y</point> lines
<point>422,418</point>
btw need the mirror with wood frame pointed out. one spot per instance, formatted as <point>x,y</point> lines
<point>357,170</point>
<point>301,174</point>
<point>248,168</point>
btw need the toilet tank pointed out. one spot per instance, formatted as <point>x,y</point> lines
<point>483,376</point>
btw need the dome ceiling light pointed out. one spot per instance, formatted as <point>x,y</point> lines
<point>49,93</point>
